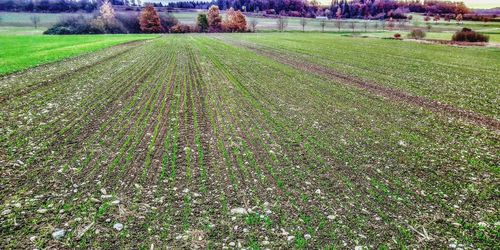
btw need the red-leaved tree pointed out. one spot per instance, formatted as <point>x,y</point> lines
<point>214,19</point>
<point>150,21</point>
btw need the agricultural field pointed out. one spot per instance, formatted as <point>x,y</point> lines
<point>23,51</point>
<point>253,141</point>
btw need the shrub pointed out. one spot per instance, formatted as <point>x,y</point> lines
<point>113,26</point>
<point>75,25</point>
<point>180,28</point>
<point>467,35</point>
<point>417,34</point>
<point>130,21</point>
<point>168,21</point>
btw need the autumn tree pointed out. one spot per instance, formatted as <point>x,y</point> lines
<point>338,14</point>
<point>150,21</point>
<point>235,21</point>
<point>214,19</point>
<point>107,12</point>
<point>202,22</point>
<point>437,18</point>
<point>459,18</point>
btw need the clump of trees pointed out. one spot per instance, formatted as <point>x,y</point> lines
<point>148,21</point>
<point>104,23</point>
<point>468,35</point>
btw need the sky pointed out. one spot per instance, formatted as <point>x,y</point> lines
<point>482,3</point>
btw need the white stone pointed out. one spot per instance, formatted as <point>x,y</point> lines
<point>118,226</point>
<point>106,196</point>
<point>58,234</point>
<point>238,210</point>
<point>307,236</point>
<point>42,211</point>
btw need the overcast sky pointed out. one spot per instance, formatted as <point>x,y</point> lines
<point>482,3</point>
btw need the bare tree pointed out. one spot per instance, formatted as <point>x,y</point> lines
<point>383,24</point>
<point>375,25</point>
<point>402,24</point>
<point>35,20</point>
<point>282,22</point>
<point>253,24</point>
<point>322,23</point>
<point>365,24</point>
<point>352,25</point>
<point>303,23</point>
<point>338,24</point>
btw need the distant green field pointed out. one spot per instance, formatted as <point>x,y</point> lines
<point>494,36</point>
<point>20,52</point>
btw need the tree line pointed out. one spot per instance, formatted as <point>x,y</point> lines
<point>372,9</point>
<point>147,21</point>
<point>48,5</point>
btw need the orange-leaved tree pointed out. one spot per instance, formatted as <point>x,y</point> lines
<point>235,21</point>
<point>214,19</point>
<point>150,21</point>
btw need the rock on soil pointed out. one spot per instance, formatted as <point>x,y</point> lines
<point>58,234</point>
<point>238,210</point>
<point>118,226</point>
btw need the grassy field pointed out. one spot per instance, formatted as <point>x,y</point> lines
<point>253,140</point>
<point>22,19</point>
<point>23,51</point>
